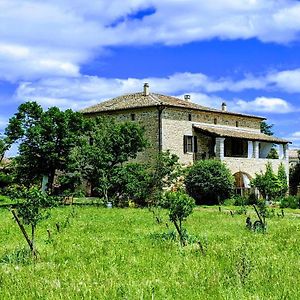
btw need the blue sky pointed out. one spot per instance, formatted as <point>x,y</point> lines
<point>74,53</point>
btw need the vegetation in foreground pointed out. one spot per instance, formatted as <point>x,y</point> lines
<point>103,253</point>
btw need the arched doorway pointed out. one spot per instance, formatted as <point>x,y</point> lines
<point>242,183</point>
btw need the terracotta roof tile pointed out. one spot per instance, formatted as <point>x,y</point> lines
<point>139,100</point>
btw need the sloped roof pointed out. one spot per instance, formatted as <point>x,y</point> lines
<point>139,100</point>
<point>239,133</point>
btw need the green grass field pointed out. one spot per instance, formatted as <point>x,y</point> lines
<point>118,254</point>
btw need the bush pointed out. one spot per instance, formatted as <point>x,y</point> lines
<point>290,202</point>
<point>238,200</point>
<point>209,182</point>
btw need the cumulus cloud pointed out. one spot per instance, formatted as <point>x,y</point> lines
<point>86,90</point>
<point>54,38</point>
<point>83,91</point>
<point>266,105</point>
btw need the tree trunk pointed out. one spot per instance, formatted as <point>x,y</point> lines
<point>51,181</point>
<point>34,252</point>
<point>29,242</point>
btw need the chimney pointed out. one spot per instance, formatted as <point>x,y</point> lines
<point>224,106</point>
<point>146,89</point>
<point>187,97</point>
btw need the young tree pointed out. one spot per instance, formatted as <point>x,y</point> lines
<point>209,182</point>
<point>282,177</point>
<point>270,185</point>
<point>46,140</point>
<point>180,206</point>
<point>31,209</point>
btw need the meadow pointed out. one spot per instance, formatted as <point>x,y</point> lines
<point>103,253</point>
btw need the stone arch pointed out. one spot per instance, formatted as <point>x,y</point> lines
<point>242,182</point>
<point>242,179</point>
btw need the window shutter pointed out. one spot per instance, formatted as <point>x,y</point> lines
<point>195,145</point>
<point>184,143</point>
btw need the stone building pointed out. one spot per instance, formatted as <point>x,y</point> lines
<point>195,132</point>
<point>294,157</point>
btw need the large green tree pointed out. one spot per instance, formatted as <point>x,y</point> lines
<point>46,139</point>
<point>106,146</point>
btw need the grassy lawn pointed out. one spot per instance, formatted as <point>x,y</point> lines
<point>117,254</point>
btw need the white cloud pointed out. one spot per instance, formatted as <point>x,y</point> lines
<point>296,135</point>
<point>46,38</point>
<point>295,139</point>
<point>287,80</point>
<point>83,91</point>
<point>265,105</point>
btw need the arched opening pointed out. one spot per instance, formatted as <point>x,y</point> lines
<point>242,183</point>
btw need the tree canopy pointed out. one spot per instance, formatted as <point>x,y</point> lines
<point>105,146</point>
<point>45,138</point>
<point>266,128</point>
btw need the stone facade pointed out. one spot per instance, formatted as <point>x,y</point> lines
<point>252,166</point>
<point>209,117</point>
<point>166,126</point>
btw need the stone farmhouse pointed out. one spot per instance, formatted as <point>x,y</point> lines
<point>293,157</point>
<point>194,132</point>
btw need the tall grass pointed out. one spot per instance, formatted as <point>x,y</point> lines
<point>114,254</point>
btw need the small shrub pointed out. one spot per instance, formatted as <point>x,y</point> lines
<point>290,202</point>
<point>240,201</point>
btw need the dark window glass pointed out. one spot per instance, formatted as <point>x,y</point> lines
<point>237,124</point>
<point>215,121</point>
<point>132,117</point>
<point>190,117</point>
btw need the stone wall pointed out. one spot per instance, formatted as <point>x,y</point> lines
<point>209,118</point>
<point>176,124</point>
<point>251,166</point>
<point>173,132</point>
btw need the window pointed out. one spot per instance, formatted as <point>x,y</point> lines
<point>237,124</point>
<point>132,117</point>
<point>215,121</point>
<point>190,144</point>
<point>190,117</point>
<point>237,148</point>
